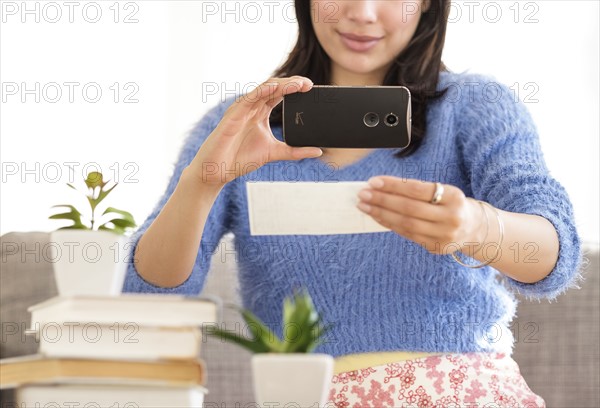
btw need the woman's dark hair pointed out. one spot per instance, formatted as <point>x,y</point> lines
<point>417,67</point>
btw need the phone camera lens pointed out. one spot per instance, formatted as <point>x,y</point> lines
<point>391,119</point>
<point>371,119</point>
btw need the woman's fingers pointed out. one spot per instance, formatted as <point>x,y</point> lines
<point>436,237</point>
<point>260,101</point>
<point>405,206</point>
<point>424,233</point>
<point>243,135</point>
<point>435,232</point>
<point>271,92</point>
<point>281,151</point>
<point>403,224</point>
<point>290,86</point>
<point>246,104</point>
<point>252,108</point>
<point>415,189</point>
<point>402,204</point>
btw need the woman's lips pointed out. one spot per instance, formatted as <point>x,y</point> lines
<point>359,43</point>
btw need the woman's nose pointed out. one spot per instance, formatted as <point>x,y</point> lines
<point>360,11</point>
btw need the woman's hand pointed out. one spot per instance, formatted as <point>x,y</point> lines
<point>242,142</point>
<point>404,206</point>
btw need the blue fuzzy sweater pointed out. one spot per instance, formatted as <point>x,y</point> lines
<point>381,291</point>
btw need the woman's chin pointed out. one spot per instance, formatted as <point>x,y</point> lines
<point>361,72</point>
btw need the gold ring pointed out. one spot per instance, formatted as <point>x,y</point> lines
<point>439,192</point>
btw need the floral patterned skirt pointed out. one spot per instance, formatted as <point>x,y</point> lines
<point>454,380</point>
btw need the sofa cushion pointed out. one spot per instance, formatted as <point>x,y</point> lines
<point>26,278</point>
<point>556,344</point>
<point>226,363</point>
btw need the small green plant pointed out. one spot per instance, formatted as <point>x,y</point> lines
<point>117,221</point>
<point>302,329</point>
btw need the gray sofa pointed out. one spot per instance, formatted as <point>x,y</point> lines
<point>557,344</point>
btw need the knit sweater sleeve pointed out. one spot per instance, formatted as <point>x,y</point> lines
<point>217,224</point>
<point>503,158</point>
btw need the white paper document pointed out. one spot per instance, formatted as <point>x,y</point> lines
<point>307,208</point>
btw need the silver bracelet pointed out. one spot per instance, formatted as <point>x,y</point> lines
<point>498,248</point>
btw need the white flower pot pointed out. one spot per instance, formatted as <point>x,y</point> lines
<point>298,379</point>
<point>89,263</point>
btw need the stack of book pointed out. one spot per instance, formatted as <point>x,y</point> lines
<point>125,351</point>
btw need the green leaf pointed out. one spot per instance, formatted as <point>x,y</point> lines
<point>302,319</point>
<point>121,223</point>
<point>261,332</point>
<point>117,225</point>
<point>73,209</point>
<point>303,330</point>
<point>66,216</point>
<point>252,345</point>
<point>304,341</point>
<point>288,310</point>
<point>127,216</point>
<point>301,311</point>
<point>72,215</point>
<point>293,338</point>
<point>101,196</point>
<point>94,179</point>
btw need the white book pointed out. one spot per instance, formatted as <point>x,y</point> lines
<point>117,341</point>
<point>139,309</point>
<point>122,396</point>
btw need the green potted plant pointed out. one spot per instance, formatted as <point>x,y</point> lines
<point>285,370</point>
<point>90,255</point>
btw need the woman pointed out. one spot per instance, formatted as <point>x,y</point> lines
<point>416,322</point>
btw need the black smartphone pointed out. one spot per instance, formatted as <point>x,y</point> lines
<point>348,116</point>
